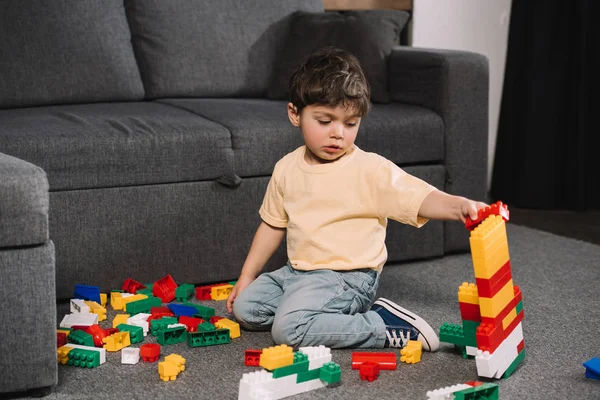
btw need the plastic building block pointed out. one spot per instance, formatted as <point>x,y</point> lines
<point>206,326</point>
<point>184,292</point>
<point>203,292</point>
<point>221,292</point>
<point>61,339</point>
<point>78,319</point>
<point>467,293</point>
<point>136,333</point>
<point>495,364</point>
<point>130,355</point>
<point>62,354</point>
<point>252,357</point>
<point>131,299</point>
<point>100,351</point>
<point>131,286</point>
<point>494,306</point>
<point>489,247</point>
<point>276,357</point>
<point>142,306</point>
<point>411,353</point>
<point>176,333</point>
<point>147,290</point>
<point>330,373</point>
<point>446,392</point>
<point>78,306</point>
<point>489,287</point>
<point>165,289</point>
<point>234,327</point>
<point>309,375</point>
<point>116,300</point>
<point>85,292</point>
<point>191,323</point>
<point>514,365</point>
<point>83,358</point>
<point>484,213</point>
<point>386,361</point>
<point>369,371</point>
<point>96,308</point>
<point>97,334</point>
<point>171,367</point>
<point>317,355</point>
<point>120,319</point>
<point>592,368</point>
<point>140,320</point>
<point>162,311</point>
<point>214,319</point>
<point>202,311</point>
<point>299,365</point>
<point>453,333</point>
<point>161,324</point>
<point>469,312</point>
<point>208,338</point>
<point>480,391</point>
<point>116,341</point>
<point>181,309</point>
<point>150,352</point>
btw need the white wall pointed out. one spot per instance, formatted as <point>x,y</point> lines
<point>480,26</point>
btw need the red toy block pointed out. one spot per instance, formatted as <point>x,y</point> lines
<point>509,307</point>
<point>252,357</point>
<point>469,312</point>
<point>489,337</point>
<point>214,319</point>
<point>386,361</point>
<point>521,346</point>
<point>131,286</point>
<point>489,287</point>
<point>150,352</point>
<point>369,371</point>
<point>494,209</point>
<point>203,292</point>
<point>474,383</point>
<point>61,339</point>
<point>165,289</point>
<point>191,322</point>
<point>159,312</point>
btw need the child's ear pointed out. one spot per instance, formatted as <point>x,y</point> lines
<point>293,114</point>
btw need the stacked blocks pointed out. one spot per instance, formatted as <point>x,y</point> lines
<point>463,391</point>
<point>308,369</point>
<point>492,310</point>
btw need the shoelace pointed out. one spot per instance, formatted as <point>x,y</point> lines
<point>399,340</point>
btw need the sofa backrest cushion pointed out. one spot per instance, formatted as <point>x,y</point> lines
<point>66,51</point>
<point>208,48</point>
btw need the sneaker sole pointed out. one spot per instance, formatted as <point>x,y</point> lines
<point>427,332</point>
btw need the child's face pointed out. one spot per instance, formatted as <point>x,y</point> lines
<point>329,132</point>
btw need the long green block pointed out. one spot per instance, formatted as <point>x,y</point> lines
<point>292,369</point>
<point>487,391</point>
<point>308,375</point>
<point>208,338</point>
<point>184,292</point>
<point>202,311</point>
<point>157,325</point>
<point>453,333</point>
<point>514,365</point>
<point>470,328</point>
<point>81,338</point>
<point>206,326</point>
<point>142,306</point>
<point>83,358</point>
<point>136,333</point>
<point>330,373</point>
<point>173,335</point>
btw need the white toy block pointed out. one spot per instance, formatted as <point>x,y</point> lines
<point>140,320</point>
<point>78,306</point>
<point>494,365</point>
<point>446,393</point>
<point>176,325</point>
<point>98,349</point>
<point>471,351</point>
<point>82,319</point>
<point>317,356</point>
<point>130,355</point>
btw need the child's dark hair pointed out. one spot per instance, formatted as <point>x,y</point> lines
<point>330,77</point>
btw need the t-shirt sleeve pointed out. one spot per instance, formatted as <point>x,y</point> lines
<point>399,195</point>
<point>272,210</point>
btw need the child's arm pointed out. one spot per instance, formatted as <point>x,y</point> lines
<point>443,206</point>
<point>265,242</point>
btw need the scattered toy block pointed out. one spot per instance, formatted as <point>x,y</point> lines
<point>83,358</point>
<point>78,306</point>
<point>96,308</point>
<point>208,338</point>
<point>61,339</point>
<point>157,325</point>
<point>62,354</point>
<point>130,355</point>
<point>221,292</point>
<point>131,286</point>
<point>86,292</point>
<point>369,371</point>
<point>165,289</point>
<point>214,319</point>
<point>171,367</point>
<point>411,353</point>
<point>116,341</point>
<point>120,319</point>
<point>116,300</point>
<point>252,357</point>
<point>79,319</point>
<point>184,292</point>
<point>182,309</point>
<point>592,368</point>
<point>386,361</point>
<point>446,392</point>
<point>143,305</point>
<point>191,322</point>
<point>101,352</point>
<point>234,327</point>
<point>150,352</point>
<point>203,292</point>
<point>140,320</point>
<point>136,333</point>
<point>175,333</point>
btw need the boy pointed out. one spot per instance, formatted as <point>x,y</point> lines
<point>333,201</point>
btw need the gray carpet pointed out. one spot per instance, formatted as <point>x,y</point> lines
<point>560,281</point>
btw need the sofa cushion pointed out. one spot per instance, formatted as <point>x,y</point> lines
<point>369,35</point>
<point>66,51</point>
<point>261,132</point>
<point>23,203</point>
<point>207,48</point>
<point>116,144</point>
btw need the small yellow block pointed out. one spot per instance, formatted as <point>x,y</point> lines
<point>120,319</point>
<point>103,299</point>
<point>117,341</point>
<point>116,300</point>
<point>467,293</point>
<point>96,308</point>
<point>177,360</point>
<point>234,327</point>
<point>276,357</point>
<point>509,318</point>
<point>411,353</point>
<point>221,292</point>
<point>63,354</point>
<point>494,306</point>
<point>171,367</point>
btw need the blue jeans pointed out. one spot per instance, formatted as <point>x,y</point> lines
<point>310,308</point>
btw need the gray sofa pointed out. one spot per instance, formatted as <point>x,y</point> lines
<point>136,141</point>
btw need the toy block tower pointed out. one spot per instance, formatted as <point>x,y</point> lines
<point>492,309</point>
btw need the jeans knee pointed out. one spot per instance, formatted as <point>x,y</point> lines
<point>285,330</point>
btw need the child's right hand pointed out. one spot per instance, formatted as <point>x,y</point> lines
<point>241,284</point>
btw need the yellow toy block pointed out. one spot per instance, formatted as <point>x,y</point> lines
<point>116,300</point>
<point>103,299</point>
<point>63,354</point>
<point>484,235</point>
<point>509,318</point>
<point>485,267</point>
<point>489,247</point>
<point>65,331</point>
<point>276,357</point>
<point>171,367</point>
<point>116,341</point>
<point>96,308</point>
<point>467,293</point>
<point>221,292</point>
<point>234,327</point>
<point>120,319</point>
<point>131,299</point>
<point>411,353</point>
<point>494,306</point>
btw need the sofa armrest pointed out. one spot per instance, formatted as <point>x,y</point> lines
<point>24,202</point>
<point>454,84</point>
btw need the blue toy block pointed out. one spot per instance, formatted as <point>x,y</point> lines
<point>182,310</point>
<point>86,292</point>
<point>592,368</point>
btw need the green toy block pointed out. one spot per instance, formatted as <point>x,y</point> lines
<point>136,333</point>
<point>453,333</point>
<point>83,358</point>
<point>208,338</point>
<point>330,373</point>
<point>117,290</point>
<point>173,335</point>
<point>147,291</point>
<point>81,338</point>
<point>142,306</point>
<point>519,307</point>
<point>184,292</point>
<point>232,283</point>
<point>514,365</point>
<point>160,324</point>
<point>487,391</point>
<point>308,375</point>
<point>206,326</point>
<point>470,328</point>
<point>203,312</point>
<point>300,365</point>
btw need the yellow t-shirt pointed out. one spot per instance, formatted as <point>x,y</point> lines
<point>336,213</point>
